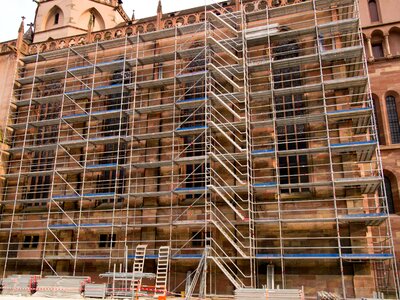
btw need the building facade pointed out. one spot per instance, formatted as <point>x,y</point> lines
<point>381,34</point>
<point>239,136</point>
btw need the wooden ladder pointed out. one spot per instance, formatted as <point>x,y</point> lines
<point>162,271</point>
<point>138,266</point>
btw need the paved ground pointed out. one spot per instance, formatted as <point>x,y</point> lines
<point>31,298</point>
<point>141,298</point>
<point>44,298</point>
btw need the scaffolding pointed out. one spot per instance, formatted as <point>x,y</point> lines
<point>249,136</point>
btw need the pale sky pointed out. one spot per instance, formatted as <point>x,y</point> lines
<point>10,16</point>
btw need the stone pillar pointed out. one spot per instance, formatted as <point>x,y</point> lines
<point>387,46</point>
<point>369,45</point>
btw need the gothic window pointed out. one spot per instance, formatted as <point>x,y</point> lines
<point>193,65</point>
<point>389,195</point>
<point>48,111</point>
<point>56,18</point>
<point>199,238</point>
<point>194,145</point>
<point>378,120</point>
<point>393,119</point>
<point>111,151</point>
<point>114,101</point>
<point>293,169</point>
<point>192,117</point>
<point>109,156</point>
<point>373,10</point>
<point>112,126</point>
<point>106,182</point>
<point>194,173</point>
<point>30,242</point>
<point>195,117</point>
<point>50,88</point>
<point>39,186</point>
<point>107,240</point>
<point>197,62</point>
<point>194,91</point>
<point>120,76</point>
<point>42,161</point>
<point>46,135</point>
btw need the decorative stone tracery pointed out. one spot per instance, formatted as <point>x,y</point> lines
<point>143,27</point>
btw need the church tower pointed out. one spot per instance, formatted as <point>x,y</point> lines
<point>61,18</point>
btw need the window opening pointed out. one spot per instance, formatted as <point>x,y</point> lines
<point>107,240</point>
<point>389,195</point>
<point>393,119</point>
<point>56,18</point>
<point>373,11</point>
<point>293,169</point>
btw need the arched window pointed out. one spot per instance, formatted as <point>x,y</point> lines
<point>293,169</point>
<point>378,119</point>
<point>393,119</point>
<point>56,18</point>
<point>389,195</point>
<point>93,19</point>
<point>373,10</point>
<point>377,50</point>
<point>377,44</point>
